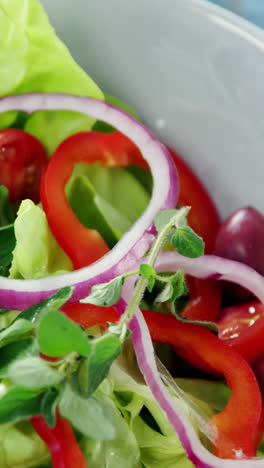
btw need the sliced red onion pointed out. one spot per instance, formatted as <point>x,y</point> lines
<point>19,294</point>
<point>212,267</point>
<point>195,450</point>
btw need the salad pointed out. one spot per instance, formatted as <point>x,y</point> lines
<point>119,346</point>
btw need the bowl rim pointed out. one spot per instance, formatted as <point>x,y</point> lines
<point>233,21</point>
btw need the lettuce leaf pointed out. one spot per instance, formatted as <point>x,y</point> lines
<point>33,59</point>
<point>21,447</point>
<point>37,253</point>
<point>120,196</point>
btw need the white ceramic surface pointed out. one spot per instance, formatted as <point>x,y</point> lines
<point>194,73</point>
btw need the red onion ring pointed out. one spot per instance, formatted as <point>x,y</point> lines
<point>202,267</point>
<point>19,294</point>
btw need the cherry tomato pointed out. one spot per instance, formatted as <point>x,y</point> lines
<point>22,161</point>
<point>242,326</point>
<point>203,217</point>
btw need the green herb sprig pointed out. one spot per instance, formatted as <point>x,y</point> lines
<point>47,361</point>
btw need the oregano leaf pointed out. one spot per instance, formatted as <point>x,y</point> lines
<point>95,368</point>
<point>57,335</point>
<point>33,372</point>
<point>92,417</point>
<point>106,294</point>
<point>187,242</point>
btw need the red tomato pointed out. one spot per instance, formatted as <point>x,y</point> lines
<point>22,161</point>
<point>203,217</point>
<point>242,326</point>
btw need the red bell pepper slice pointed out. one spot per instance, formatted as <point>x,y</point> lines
<point>83,245</point>
<point>203,217</point>
<point>63,447</point>
<point>239,423</point>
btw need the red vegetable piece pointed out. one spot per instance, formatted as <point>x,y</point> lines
<point>63,447</point>
<point>203,217</point>
<point>239,423</point>
<point>84,246</point>
<point>242,327</point>
<point>22,162</point>
<point>205,299</point>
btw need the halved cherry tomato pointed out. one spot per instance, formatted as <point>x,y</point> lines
<point>22,161</point>
<point>242,327</point>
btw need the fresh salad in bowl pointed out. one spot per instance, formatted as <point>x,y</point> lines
<point>119,346</point>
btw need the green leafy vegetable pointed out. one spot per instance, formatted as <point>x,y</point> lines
<point>21,447</point>
<point>36,256</point>
<point>96,367</point>
<point>19,403</point>
<point>212,326</point>
<point>48,406</point>
<point>163,218</point>
<point>91,416</point>
<point>54,302</point>
<point>20,328</point>
<point>7,210</point>
<point>16,351</point>
<point>83,200</point>
<point>33,372</point>
<point>7,245</point>
<point>57,335</point>
<point>106,294</point>
<point>174,288</point>
<point>119,196</point>
<point>146,271</point>
<point>33,59</point>
<point>187,242</point>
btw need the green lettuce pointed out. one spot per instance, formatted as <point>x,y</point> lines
<point>100,197</point>
<point>37,254</point>
<point>33,59</point>
<point>119,195</point>
<point>21,447</point>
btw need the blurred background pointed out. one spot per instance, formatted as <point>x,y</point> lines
<point>253,10</point>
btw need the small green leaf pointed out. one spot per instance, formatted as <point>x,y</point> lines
<point>151,283</point>
<point>48,406</point>
<point>187,242</point>
<point>212,326</point>
<point>146,271</point>
<point>92,417</point>
<point>7,245</point>
<point>19,403</point>
<point>166,293</point>
<point>57,335</point>
<point>15,351</point>
<point>7,209</point>
<point>96,367</point>
<point>18,329</point>
<point>33,372</point>
<point>106,294</point>
<point>163,218</point>
<point>34,313</point>
<point>179,285</point>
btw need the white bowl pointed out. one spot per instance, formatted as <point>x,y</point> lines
<point>193,71</point>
